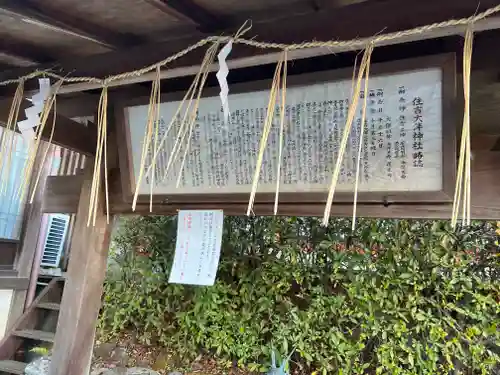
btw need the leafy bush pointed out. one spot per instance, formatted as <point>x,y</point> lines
<point>395,297</point>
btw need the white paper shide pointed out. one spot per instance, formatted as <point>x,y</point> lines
<point>222,78</point>
<point>27,127</point>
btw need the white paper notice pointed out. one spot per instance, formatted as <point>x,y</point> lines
<point>197,251</point>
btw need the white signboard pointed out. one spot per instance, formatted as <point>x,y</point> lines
<point>197,250</point>
<point>402,148</point>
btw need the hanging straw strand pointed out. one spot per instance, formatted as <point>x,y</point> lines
<point>463,170</point>
<point>149,129</point>
<point>98,163</point>
<point>95,177</point>
<point>347,129</point>
<point>96,160</point>
<point>106,187</point>
<point>265,133</point>
<point>282,127</point>
<point>160,145</point>
<point>194,111</point>
<point>360,146</point>
<point>147,139</point>
<point>35,143</point>
<point>184,127</point>
<point>155,108</point>
<point>467,78</point>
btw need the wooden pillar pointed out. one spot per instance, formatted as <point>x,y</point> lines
<point>81,299</point>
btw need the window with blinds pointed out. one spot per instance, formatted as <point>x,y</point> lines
<point>57,229</point>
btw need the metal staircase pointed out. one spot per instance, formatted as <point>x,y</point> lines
<point>35,328</point>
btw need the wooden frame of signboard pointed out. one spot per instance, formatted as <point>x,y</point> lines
<point>446,62</point>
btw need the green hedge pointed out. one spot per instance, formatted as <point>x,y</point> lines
<point>395,297</point>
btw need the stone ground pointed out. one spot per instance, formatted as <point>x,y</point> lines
<point>125,353</point>
<point>127,357</point>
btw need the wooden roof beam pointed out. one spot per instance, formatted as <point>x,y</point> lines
<point>36,14</point>
<point>13,59</point>
<point>67,133</point>
<point>20,54</point>
<point>205,20</point>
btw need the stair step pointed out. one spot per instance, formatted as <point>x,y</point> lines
<point>12,367</point>
<point>49,306</point>
<point>35,335</point>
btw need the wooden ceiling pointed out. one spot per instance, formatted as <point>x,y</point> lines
<point>41,31</point>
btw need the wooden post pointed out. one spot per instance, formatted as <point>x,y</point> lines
<point>81,299</point>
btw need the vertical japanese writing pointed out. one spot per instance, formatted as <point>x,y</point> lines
<point>208,141</point>
<point>288,146</point>
<point>307,126</point>
<point>188,222</point>
<point>365,164</point>
<point>328,141</point>
<point>196,169</point>
<point>418,135</point>
<point>355,145</point>
<point>400,150</point>
<point>336,139</point>
<point>373,131</point>
<point>204,248</point>
<point>221,152</point>
<point>272,151</point>
<point>388,138</point>
<point>291,174</point>
<point>211,242</point>
<point>237,143</point>
<point>318,122</point>
<point>313,124</point>
<point>380,119</point>
<point>302,156</point>
<point>342,103</point>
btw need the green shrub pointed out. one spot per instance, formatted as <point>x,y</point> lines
<point>395,297</point>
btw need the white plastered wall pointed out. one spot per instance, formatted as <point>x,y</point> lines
<point>5,301</point>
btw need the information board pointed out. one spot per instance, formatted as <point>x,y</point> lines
<point>402,149</point>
